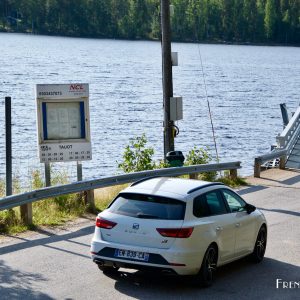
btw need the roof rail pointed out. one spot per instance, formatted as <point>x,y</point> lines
<point>143,179</point>
<point>204,186</point>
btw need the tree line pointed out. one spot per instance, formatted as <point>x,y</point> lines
<point>240,21</point>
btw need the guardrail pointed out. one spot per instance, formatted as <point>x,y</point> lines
<point>258,161</point>
<point>24,200</point>
<point>285,141</point>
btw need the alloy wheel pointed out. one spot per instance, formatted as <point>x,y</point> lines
<point>261,244</point>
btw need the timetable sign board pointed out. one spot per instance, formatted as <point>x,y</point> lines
<point>63,122</point>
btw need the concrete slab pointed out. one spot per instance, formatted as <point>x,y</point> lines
<point>276,177</point>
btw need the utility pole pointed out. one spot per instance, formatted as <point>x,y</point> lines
<point>167,75</point>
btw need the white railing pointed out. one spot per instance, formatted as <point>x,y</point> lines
<point>285,142</point>
<point>287,139</point>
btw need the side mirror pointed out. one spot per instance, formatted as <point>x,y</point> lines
<point>250,208</point>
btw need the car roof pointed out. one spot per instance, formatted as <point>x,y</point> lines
<point>166,186</point>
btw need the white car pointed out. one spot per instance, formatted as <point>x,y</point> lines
<point>180,226</point>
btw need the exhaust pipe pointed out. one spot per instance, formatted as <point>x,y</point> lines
<point>99,262</point>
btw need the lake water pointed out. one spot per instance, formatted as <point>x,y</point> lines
<point>245,86</point>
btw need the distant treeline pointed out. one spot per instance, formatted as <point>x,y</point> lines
<point>253,21</point>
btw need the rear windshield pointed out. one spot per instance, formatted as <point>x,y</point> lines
<point>148,207</point>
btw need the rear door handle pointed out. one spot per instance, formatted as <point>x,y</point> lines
<point>219,228</point>
<point>237,224</point>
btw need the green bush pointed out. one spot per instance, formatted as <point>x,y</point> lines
<point>137,157</point>
<point>199,156</point>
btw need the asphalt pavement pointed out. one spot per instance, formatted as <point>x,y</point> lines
<point>55,264</point>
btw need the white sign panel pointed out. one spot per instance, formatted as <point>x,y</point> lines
<point>65,152</point>
<point>63,122</point>
<point>62,91</point>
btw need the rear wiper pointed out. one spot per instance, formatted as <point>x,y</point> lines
<point>145,216</point>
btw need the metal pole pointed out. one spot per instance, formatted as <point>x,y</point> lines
<point>285,115</point>
<point>167,75</point>
<point>26,209</point>
<point>79,171</point>
<point>47,174</point>
<point>8,146</point>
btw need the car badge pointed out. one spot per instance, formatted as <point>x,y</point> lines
<point>135,226</point>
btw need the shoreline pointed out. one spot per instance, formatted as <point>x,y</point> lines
<point>207,42</point>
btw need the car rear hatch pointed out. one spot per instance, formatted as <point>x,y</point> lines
<point>143,220</point>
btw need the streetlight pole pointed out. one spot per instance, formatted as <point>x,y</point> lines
<point>167,75</point>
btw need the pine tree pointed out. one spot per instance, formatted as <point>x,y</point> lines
<point>270,19</point>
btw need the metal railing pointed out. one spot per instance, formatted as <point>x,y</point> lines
<point>288,138</point>
<point>285,141</point>
<point>24,200</point>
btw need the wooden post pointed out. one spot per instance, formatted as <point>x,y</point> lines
<point>257,163</point>
<point>89,199</point>
<point>233,174</point>
<point>26,213</point>
<point>282,162</point>
<point>193,176</point>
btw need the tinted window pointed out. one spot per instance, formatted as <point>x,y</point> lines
<point>200,208</point>
<point>209,204</point>
<point>234,202</point>
<point>215,203</point>
<point>148,207</point>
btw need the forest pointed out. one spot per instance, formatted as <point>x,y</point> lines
<point>216,21</point>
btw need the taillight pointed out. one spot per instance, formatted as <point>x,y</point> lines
<point>176,232</point>
<point>102,223</point>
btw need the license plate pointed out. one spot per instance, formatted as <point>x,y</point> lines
<point>143,256</point>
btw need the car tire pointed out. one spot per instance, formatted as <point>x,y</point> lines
<point>260,245</point>
<point>208,267</point>
<point>108,269</point>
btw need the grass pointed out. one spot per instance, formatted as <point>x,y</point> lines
<point>105,195</point>
<point>48,212</point>
<point>53,211</point>
<point>225,178</point>
<point>234,183</point>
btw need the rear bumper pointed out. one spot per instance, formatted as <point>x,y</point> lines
<point>181,262</point>
<point>128,265</point>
